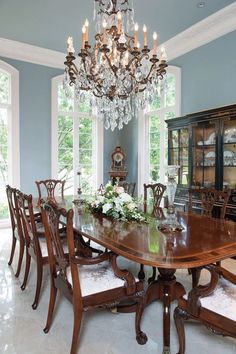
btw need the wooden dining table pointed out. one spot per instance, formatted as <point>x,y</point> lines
<point>202,241</point>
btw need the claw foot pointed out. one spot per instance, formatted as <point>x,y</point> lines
<point>141,338</point>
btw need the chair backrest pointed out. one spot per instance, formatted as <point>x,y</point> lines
<point>208,198</point>
<point>157,190</point>
<point>24,204</point>
<point>129,187</point>
<point>52,214</point>
<point>11,203</point>
<point>50,188</point>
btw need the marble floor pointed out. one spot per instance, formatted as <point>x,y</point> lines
<point>103,332</point>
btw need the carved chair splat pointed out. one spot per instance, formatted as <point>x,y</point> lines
<point>88,282</point>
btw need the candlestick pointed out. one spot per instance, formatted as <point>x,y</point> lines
<point>119,17</point>
<point>154,43</point>
<point>135,34</point>
<point>70,48</point>
<point>86,24</point>
<point>83,36</point>
<point>145,35</point>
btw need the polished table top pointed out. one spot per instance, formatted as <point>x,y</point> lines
<point>204,240</point>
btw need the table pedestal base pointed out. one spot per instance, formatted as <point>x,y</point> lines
<point>166,289</point>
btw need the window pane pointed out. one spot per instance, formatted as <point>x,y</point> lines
<point>4,87</point>
<point>84,105</point>
<point>169,115</point>
<point>86,153</point>
<point>3,163</point>
<point>65,152</point>
<point>64,103</point>
<point>154,148</point>
<point>170,90</point>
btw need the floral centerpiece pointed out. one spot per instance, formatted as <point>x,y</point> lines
<point>113,201</point>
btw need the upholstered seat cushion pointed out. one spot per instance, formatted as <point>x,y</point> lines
<point>43,246</point>
<point>96,278</point>
<point>222,301</point>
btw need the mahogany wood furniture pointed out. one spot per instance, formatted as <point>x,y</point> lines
<point>156,192</point>
<point>203,241</point>
<point>17,233</point>
<point>212,304</point>
<point>50,188</point>
<point>203,145</point>
<point>208,198</point>
<point>88,282</point>
<point>35,242</point>
<point>129,187</point>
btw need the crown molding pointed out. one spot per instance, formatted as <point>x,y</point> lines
<point>203,32</point>
<point>31,53</point>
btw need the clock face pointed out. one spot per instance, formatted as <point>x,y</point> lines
<point>118,157</point>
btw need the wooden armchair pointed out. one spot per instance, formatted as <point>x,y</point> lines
<point>213,305</point>
<point>209,197</point>
<point>129,187</point>
<point>88,282</point>
<point>157,191</point>
<point>17,232</point>
<point>50,188</point>
<point>35,242</point>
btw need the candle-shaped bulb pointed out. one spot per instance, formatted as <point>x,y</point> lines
<point>135,34</point>
<point>163,54</point>
<point>86,25</point>
<point>104,24</point>
<point>154,43</point>
<point>138,45</point>
<point>70,48</point>
<point>119,17</point>
<point>145,35</point>
<point>83,36</point>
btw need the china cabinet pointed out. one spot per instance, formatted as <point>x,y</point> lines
<point>203,144</point>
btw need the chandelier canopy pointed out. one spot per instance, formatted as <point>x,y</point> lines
<point>121,75</point>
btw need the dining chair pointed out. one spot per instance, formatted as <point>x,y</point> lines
<point>35,242</point>
<point>129,187</point>
<point>212,304</point>
<point>50,188</point>
<point>153,194</point>
<point>17,232</point>
<point>88,282</point>
<point>208,198</point>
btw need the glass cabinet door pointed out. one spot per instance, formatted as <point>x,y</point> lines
<point>229,154</point>
<point>178,153</point>
<point>204,154</point>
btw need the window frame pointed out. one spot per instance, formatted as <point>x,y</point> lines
<point>98,139</point>
<point>143,133</point>
<point>13,130</point>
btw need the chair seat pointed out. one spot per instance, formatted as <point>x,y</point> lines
<point>222,301</point>
<point>43,246</point>
<point>96,278</point>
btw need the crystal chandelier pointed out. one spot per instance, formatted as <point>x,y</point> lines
<point>122,76</point>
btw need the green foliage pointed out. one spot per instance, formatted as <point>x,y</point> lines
<point>4,87</point>
<point>3,211</point>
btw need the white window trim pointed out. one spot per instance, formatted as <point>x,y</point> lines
<point>14,136</point>
<point>97,145</point>
<point>143,161</point>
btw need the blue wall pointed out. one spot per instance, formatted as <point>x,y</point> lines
<point>209,75</point>
<point>35,122</point>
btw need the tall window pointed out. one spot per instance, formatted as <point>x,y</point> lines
<point>9,134</point>
<point>153,132</point>
<point>77,141</point>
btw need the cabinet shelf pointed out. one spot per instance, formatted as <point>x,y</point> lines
<point>210,165</point>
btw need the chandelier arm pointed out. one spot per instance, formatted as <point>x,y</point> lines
<point>111,66</point>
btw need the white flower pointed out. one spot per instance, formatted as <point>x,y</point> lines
<point>118,189</point>
<point>100,198</point>
<point>131,206</point>
<point>106,207</point>
<point>125,198</point>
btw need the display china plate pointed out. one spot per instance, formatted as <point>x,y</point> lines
<point>228,153</point>
<point>210,154</point>
<point>230,136</point>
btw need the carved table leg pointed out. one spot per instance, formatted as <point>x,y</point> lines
<point>166,289</point>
